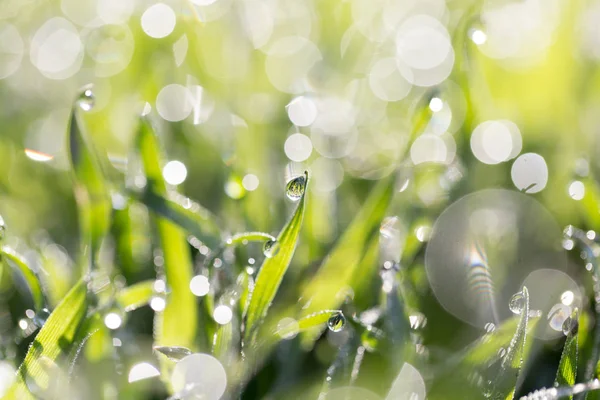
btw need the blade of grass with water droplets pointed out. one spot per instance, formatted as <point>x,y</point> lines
<point>91,192</point>
<point>567,368</point>
<point>505,382</point>
<point>176,325</point>
<point>14,259</point>
<point>338,269</point>
<point>53,340</point>
<point>174,353</point>
<point>273,268</point>
<point>136,295</point>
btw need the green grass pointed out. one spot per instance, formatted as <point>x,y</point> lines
<point>311,280</point>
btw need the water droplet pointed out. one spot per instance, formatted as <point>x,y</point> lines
<point>270,248</point>
<point>516,303</point>
<point>336,322</point>
<point>295,188</point>
<point>557,316</point>
<point>570,326</point>
<point>490,327</point>
<point>2,228</point>
<point>41,317</point>
<point>86,99</point>
<point>501,352</point>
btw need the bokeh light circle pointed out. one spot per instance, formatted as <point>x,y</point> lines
<point>529,173</point>
<point>200,374</point>
<point>483,246</point>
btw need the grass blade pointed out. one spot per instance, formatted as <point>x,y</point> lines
<point>182,211</point>
<point>272,270</point>
<point>339,267</point>
<point>176,325</point>
<point>318,319</point>
<point>91,192</point>
<point>505,381</point>
<point>30,277</point>
<point>135,296</point>
<point>54,339</point>
<point>567,368</point>
<point>174,353</point>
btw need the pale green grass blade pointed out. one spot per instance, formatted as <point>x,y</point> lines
<point>54,339</point>
<point>339,267</point>
<point>315,320</point>
<point>91,192</point>
<point>177,324</point>
<point>174,353</point>
<point>272,270</point>
<point>135,296</point>
<point>567,368</point>
<point>30,277</point>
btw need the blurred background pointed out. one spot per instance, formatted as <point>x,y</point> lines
<point>494,100</point>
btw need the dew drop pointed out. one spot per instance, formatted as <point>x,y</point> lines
<point>557,316</point>
<point>501,352</point>
<point>295,188</point>
<point>41,317</point>
<point>516,303</point>
<point>2,228</point>
<point>570,326</point>
<point>490,327</point>
<point>86,99</point>
<point>270,248</point>
<point>336,322</point>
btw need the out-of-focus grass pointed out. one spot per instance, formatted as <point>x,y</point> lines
<point>61,221</point>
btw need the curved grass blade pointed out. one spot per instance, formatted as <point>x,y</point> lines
<point>56,338</point>
<point>237,239</point>
<point>505,381</point>
<point>176,325</point>
<point>272,270</point>
<point>182,211</point>
<point>339,267</point>
<point>567,368</point>
<point>135,296</point>
<point>318,319</point>
<point>30,277</point>
<point>91,192</point>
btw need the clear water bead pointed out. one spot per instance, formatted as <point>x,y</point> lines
<point>336,322</point>
<point>570,326</point>
<point>2,228</point>
<point>516,303</point>
<point>270,248</point>
<point>86,99</point>
<point>295,188</point>
<point>490,327</point>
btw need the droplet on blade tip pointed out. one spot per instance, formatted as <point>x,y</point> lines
<point>270,248</point>
<point>86,99</point>
<point>295,188</point>
<point>336,322</point>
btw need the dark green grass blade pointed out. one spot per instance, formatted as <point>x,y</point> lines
<point>177,324</point>
<point>30,277</point>
<point>272,270</point>
<point>54,339</point>
<point>91,192</point>
<point>567,368</point>
<point>339,267</point>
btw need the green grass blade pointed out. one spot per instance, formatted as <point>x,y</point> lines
<point>505,381</point>
<point>177,324</point>
<point>30,277</point>
<point>135,296</point>
<point>567,368</point>
<point>54,339</point>
<point>91,192</point>
<point>182,211</point>
<point>318,319</point>
<point>272,270</point>
<point>339,267</point>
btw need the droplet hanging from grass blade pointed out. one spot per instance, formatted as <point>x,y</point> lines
<point>86,99</point>
<point>336,322</point>
<point>295,188</point>
<point>270,248</point>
